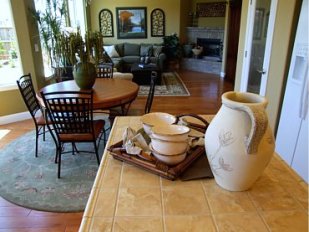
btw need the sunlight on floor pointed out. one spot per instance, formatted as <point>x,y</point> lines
<point>4,133</point>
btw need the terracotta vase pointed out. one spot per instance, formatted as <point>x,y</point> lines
<point>84,75</point>
<point>239,142</point>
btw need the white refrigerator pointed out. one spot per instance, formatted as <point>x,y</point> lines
<point>292,134</point>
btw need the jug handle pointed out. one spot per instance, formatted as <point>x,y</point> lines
<point>259,124</point>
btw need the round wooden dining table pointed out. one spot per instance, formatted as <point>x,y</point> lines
<point>107,92</point>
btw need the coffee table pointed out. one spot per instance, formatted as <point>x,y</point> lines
<point>142,75</point>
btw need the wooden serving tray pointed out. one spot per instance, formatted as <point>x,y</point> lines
<point>155,166</point>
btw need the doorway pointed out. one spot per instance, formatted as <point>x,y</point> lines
<point>233,38</point>
<point>260,24</point>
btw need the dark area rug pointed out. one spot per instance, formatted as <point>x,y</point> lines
<point>32,182</point>
<point>171,85</point>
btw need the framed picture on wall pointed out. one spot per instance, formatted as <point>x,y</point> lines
<point>106,23</point>
<point>131,22</point>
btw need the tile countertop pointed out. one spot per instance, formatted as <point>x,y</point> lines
<point>126,198</point>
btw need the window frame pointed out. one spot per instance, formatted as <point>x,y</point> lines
<point>11,25</point>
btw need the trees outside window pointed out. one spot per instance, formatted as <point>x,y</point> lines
<point>10,67</point>
<point>56,18</point>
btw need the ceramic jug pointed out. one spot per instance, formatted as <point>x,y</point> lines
<point>239,142</point>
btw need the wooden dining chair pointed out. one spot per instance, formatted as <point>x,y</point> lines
<point>71,113</point>
<point>25,86</point>
<point>105,70</point>
<point>154,76</point>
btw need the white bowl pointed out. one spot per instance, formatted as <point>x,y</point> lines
<point>170,132</point>
<point>156,118</point>
<point>169,147</point>
<point>169,159</point>
<point>197,51</point>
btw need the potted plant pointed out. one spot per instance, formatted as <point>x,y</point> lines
<point>173,50</point>
<point>66,47</point>
<point>172,47</point>
<point>85,54</point>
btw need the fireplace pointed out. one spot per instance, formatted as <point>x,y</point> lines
<point>211,47</point>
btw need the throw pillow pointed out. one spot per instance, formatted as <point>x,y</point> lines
<point>111,51</point>
<point>131,49</point>
<point>157,50</point>
<point>146,50</point>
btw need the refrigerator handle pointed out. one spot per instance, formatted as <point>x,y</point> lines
<point>303,109</point>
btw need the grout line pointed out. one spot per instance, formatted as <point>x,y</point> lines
<point>162,205</point>
<point>117,198</point>
<point>112,132</point>
<point>258,211</point>
<point>210,208</point>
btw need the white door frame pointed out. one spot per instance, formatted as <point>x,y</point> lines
<point>248,46</point>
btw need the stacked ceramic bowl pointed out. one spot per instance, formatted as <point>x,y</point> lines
<point>169,143</point>
<point>156,119</point>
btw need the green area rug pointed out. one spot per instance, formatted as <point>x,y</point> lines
<point>171,85</point>
<point>32,182</point>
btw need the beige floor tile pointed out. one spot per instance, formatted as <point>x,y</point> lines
<point>242,222</point>
<point>279,171</point>
<point>89,210</point>
<point>138,224</point>
<point>223,201</point>
<point>136,177</point>
<point>209,183</point>
<point>132,202</point>
<point>189,223</point>
<point>185,201</point>
<point>286,221</point>
<point>110,161</point>
<point>268,195</point>
<point>296,190</point>
<point>169,183</point>
<point>101,224</point>
<point>281,162</point>
<point>111,178</point>
<point>106,201</point>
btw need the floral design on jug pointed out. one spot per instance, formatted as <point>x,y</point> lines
<point>225,139</point>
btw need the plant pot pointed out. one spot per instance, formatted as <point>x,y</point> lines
<point>85,75</point>
<point>187,50</point>
<point>239,142</point>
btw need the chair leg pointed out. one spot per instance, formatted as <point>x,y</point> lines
<point>57,153</point>
<point>55,141</point>
<point>104,138</point>
<point>74,148</point>
<point>44,132</point>
<point>59,162</point>
<point>96,152</point>
<point>36,141</point>
<point>103,133</point>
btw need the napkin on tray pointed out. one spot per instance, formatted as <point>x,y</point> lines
<point>136,142</point>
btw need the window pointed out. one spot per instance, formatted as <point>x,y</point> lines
<point>10,66</point>
<point>73,19</point>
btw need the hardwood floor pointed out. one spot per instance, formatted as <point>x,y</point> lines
<point>205,90</point>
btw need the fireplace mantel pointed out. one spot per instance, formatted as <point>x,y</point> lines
<point>204,32</point>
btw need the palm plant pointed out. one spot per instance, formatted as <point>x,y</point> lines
<point>51,24</point>
<point>76,49</point>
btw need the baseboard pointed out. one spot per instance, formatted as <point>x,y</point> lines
<point>14,118</point>
<point>222,74</point>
